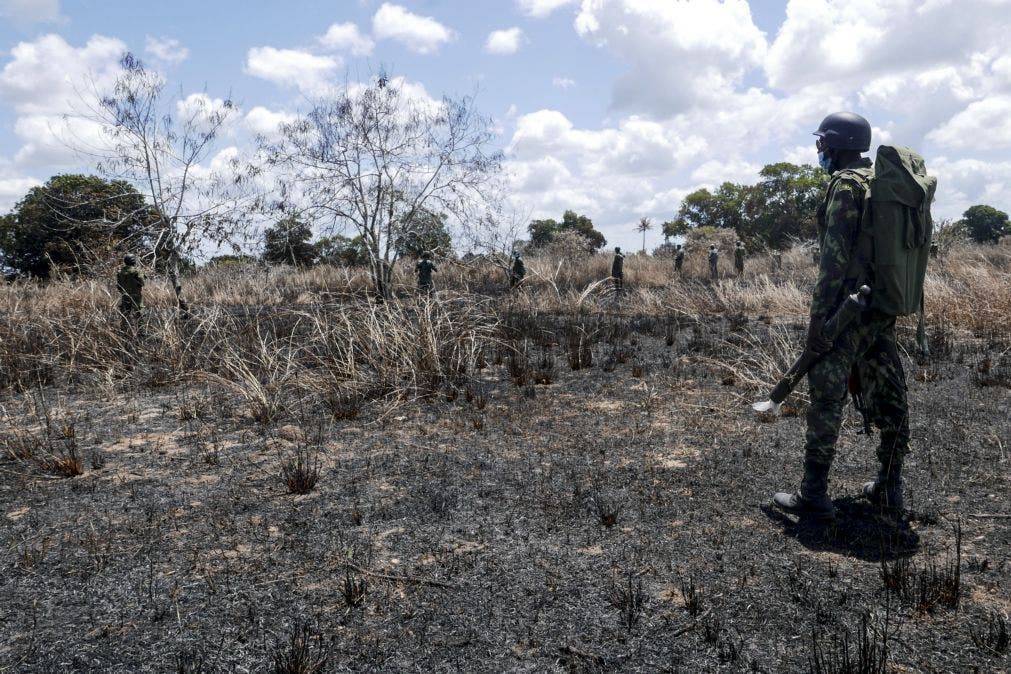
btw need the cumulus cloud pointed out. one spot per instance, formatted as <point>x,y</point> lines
<point>420,34</point>
<point>541,8</point>
<point>504,42</point>
<point>681,54</point>
<point>49,75</point>
<point>983,125</point>
<point>13,187</point>
<point>291,67</point>
<point>57,141</point>
<point>26,12</point>
<point>347,37</point>
<point>166,49</point>
<point>563,82</point>
<point>265,122</point>
<point>965,182</point>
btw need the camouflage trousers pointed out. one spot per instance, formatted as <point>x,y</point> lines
<point>869,344</point>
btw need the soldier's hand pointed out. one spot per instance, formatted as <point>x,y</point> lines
<point>816,340</point>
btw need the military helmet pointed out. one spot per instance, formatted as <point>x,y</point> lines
<point>426,255</point>
<point>845,131</point>
<point>129,260</point>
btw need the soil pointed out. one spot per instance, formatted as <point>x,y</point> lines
<point>601,522</point>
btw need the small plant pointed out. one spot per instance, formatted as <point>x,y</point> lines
<point>712,628</point>
<point>353,590</point>
<point>300,471</point>
<point>929,586</point>
<point>638,370</point>
<point>66,462</point>
<point>302,653</point>
<point>628,597</point>
<point>691,596</point>
<point>545,368</point>
<point>605,511</point>
<point>97,458</point>
<point>994,637</point>
<point>519,368</point>
<point>343,406</point>
<point>867,654</point>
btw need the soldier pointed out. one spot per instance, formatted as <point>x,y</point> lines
<point>777,260</point>
<point>518,271</point>
<point>739,258</point>
<point>933,249</point>
<point>425,267</point>
<point>868,343</point>
<point>679,258</point>
<point>714,258</point>
<point>130,282</point>
<point>618,269</point>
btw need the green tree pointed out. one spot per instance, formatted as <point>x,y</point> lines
<point>289,242</point>
<point>426,232</point>
<point>543,232</point>
<point>73,223</point>
<point>343,251</point>
<point>783,205</point>
<point>985,224</point>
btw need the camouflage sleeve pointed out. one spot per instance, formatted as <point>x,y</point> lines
<point>842,223</point>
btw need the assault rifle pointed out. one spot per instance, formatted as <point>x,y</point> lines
<point>851,307</point>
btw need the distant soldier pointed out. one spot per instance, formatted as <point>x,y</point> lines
<point>714,258</point>
<point>679,258</point>
<point>933,249</point>
<point>739,258</point>
<point>425,267</point>
<point>618,269</point>
<point>130,282</point>
<point>518,271</point>
<point>777,260</point>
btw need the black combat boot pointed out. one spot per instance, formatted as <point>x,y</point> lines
<point>886,490</point>
<point>812,500</point>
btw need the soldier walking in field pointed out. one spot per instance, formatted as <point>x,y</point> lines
<point>866,347</point>
<point>517,272</point>
<point>130,283</point>
<point>618,269</point>
<point>424,268</point>
<point>679,258</point>
<point>714,258</point>
<point>739,258</point>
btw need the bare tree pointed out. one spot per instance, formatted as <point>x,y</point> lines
<point>163,156</point>
<point>372,157</point>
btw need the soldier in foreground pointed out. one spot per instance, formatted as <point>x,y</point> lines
<point>867,346</point>
<point>739,258</point>
<point>618,269</point>
<point>714,258</point>
<point>425,267</point>
<point>679,258</point>
<point>517,272</point>
<point>130,282</point>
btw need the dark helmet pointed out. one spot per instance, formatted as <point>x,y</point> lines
<point>845,131</point>
<point>129,260</point>
<point>426,255</point>
<point>617,249</point>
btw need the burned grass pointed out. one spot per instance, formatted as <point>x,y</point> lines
<point>613,521</point>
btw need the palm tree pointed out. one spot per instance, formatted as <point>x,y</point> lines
<point>644,226</point>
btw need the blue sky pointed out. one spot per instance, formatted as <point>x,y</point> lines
<point>616,108</point>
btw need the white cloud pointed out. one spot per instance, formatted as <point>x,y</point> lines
<point>265,122</point>
<point>681,54</point>
<point>58,141</point>
<point>49,75</point>
<point>962,183</point>
<point>715,172</point>
<point>13,188</point>
<point>541,8</point>
<point>420,34</point>
<point>504,42</point>
<point>291,67</point>
<point>31,11</point>
<point>563,82</point>
<point>347,37</point>
<point>166,49</point>
<point>983,125</point>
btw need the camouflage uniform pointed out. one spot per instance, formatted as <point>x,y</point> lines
<point>868,344</point>
<point>618,270</point>
<point>739,258</point>
<point>714,257</point>
<point>679,259</point>
<point>518,272</point>
<point>130,282</point>
<point>425,268</point>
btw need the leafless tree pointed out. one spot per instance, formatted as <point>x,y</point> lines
<point>163,156</point>
<point>370,157</point>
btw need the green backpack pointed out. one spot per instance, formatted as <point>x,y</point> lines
<point>896,230</point>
